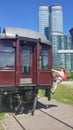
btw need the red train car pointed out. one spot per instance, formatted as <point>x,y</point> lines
<point>25,65</point>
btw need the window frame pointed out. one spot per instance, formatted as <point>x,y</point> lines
<point>27,70</point>
<point>42,55</point>
<point>7,51</point>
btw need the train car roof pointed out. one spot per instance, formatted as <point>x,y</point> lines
<point>10,32</point>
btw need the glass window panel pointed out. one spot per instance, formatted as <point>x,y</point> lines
<point>6,47</point>
<point>44,52</point>
<point>7,60</point>
<point>44,59</point>
<point>26,54</point>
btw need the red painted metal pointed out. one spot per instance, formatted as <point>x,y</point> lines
<point>38,64</point>
<point>7,77</point>
<point>12,77</point>
<point>34,66</point>
<point>17,63</point>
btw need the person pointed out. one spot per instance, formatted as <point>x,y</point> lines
<point>58,78</point>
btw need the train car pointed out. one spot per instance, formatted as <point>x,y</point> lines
<point>25,66</point>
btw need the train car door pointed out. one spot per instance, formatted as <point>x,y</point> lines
<point>26,64</point>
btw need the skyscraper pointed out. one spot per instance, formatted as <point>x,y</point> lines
<point>71,33</point>
<point>51,24</point>
<point>56,18</point>
<point>44,20</point>
<point>50,19</point>
<point>61,58</point>
<point>57,40</point>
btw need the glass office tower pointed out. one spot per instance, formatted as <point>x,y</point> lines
<point>51,24</point>
<point>68,60</point>
<point>57,43</point>
<point>71,33</point>
<point>60,43</point>
<point>44,20</point>
<point>56,18</point>
<point>50,19</point>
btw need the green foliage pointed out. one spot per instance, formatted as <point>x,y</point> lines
<point>69,74</point>
<point>2,115</point>
<point>41,92</point>
<point>64,93</point>
<point>72,75</point>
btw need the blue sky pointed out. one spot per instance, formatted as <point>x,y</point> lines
<point>24,13</point>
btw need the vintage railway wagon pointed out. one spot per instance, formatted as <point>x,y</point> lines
<point>25,66</point>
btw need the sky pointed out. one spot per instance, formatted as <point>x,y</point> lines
<point>24,13</point>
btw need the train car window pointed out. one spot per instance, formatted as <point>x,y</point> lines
<point>44,59</point>
<point>6,47</point>
<point>44,52</point>
<point>26,59</point>
<point>7,56</point>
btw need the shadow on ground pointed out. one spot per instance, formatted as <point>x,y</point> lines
<point>26,108</point>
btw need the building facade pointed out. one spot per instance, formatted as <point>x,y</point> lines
<point>56,18</point>
<point>71,33</point>
<point>50,19</point>
<point>44,20</point>
<point>61,46</point>
<point>51,24</point>
<point>57,43</point>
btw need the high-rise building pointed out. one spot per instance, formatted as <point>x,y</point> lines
<point>57,40</point>
<point>61,46</point>
<point>50,19</point>
<point>44,20</point>
<point>51,24</point>
<point>71,33</point>
<point>56,18</point>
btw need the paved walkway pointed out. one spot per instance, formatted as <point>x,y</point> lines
<point>39,121</point>
<point>70,83</point>
<point>59,110</point>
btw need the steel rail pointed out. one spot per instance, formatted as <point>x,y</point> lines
<point>66,124</point>
<point>18,122</point>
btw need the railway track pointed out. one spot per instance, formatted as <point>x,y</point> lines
<point>57,119</point>
<point>19,123</point>
<point>50,115</point>
<point>39,106</point>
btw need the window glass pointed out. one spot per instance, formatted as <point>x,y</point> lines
<point>6,60</point>
<point>26,59</point>
<point>7,55</point>
<point>6,47</point>
<point>44,52</point>
<point>44,59</point>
